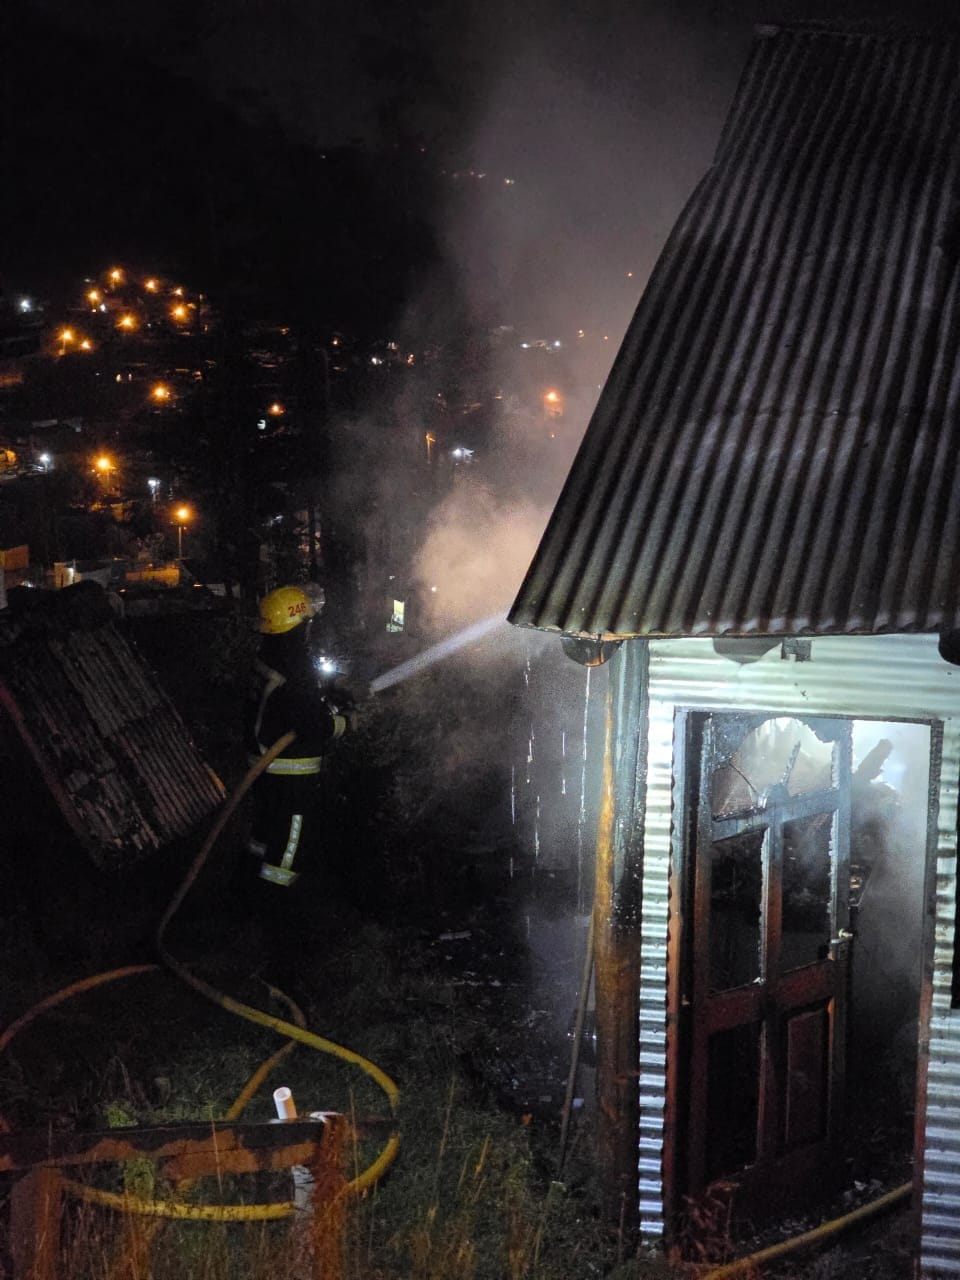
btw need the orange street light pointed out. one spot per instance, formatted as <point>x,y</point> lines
<point>104,464</point>
<point>94,296</point>
<point>553,404</point>
<point>127,321</point>
<point>86,345</point>
<point>179,312</point>
<point>183,515</point>
<point>116,276</point>
<point>276,409</point>
<point>160,392</point>
<point>150,285</point>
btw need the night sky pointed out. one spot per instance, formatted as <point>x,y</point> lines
<point>603,116</point>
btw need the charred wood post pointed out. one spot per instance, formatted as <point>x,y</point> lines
<point>35,1204</point>
<point>617,903</point>
<point>329,1218</point>
<point>180,1151</point>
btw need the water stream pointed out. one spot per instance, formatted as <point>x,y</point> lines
<point>437,652</point>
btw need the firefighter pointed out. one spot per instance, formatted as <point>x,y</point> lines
<point>286,696</point>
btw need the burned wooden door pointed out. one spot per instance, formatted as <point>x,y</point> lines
<point>767,973</point>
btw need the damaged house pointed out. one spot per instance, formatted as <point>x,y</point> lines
<point>761,532</point>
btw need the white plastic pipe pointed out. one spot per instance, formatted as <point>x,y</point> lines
<point>283,1101</point>
<point>302,1177</point>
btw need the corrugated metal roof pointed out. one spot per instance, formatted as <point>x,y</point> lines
<point>777,448</point>
<point>110,745</point>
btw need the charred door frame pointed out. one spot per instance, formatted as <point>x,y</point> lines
<point>767,1002</point>
<point>686,753</point>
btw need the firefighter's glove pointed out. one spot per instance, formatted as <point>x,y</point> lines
<point>339,725</point>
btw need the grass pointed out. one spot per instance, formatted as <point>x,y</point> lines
<point>475,1194</point>
<point>471,1197</point>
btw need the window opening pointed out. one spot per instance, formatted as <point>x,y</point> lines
<point>779,752</point>
<point>736,900</point>
<point>808,845</point>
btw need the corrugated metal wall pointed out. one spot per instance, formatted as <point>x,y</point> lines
<point>940,1232</point>
<point>109,743</point>
<point>893,677</point>
<point>777,448</point>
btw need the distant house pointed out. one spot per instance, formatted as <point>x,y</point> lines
<point>765,512</point>
<point>14,569</point>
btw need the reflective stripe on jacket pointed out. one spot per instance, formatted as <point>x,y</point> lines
<point>284,874</point>
<point>277,875</point>
<point>292,766</point>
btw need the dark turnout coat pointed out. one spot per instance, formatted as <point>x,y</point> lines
<point>286,827</point>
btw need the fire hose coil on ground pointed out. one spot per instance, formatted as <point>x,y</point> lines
<point>294,1032</point>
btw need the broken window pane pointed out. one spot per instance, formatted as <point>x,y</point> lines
<point>806,922</point>
<point>781,751</point>
<point>736,896</point>
<point>733,1092</point>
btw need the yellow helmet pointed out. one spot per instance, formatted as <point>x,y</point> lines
<point>283,609</point>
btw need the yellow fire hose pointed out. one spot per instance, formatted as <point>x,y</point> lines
<point>815,1236</point>
<point>294,1033</point>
